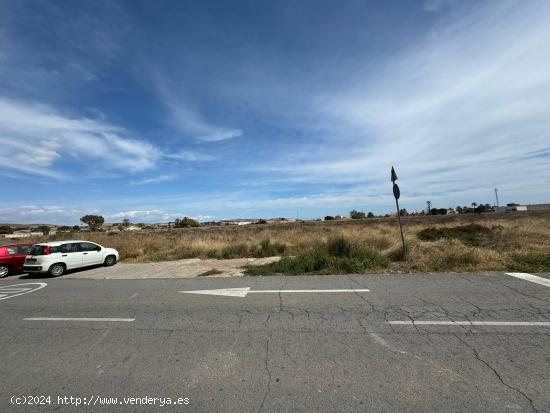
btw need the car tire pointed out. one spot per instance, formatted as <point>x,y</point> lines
<point>4,271</point>
<point>110,260</point>
<point>57,270</point>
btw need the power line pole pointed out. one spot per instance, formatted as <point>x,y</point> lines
<point>496,196</point>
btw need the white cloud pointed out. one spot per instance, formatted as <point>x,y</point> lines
<point>33,137</point>
<point>153,215</point>
<point>466,109</point>
<point>436,5</point>
<point>190,156</point>
<point>154,180</point>
<point>44,214</point>
<point>183,115</point>
<point>191,122</point>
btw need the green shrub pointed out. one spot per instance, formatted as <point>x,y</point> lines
<point>452,261</point>
<point>270,249</point>
<point>337,256</point>
<point>234,251</point>
<point>531,262</point>
<point>339,246</point>
<point>472,234</point>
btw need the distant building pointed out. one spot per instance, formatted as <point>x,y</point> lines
<point>511,208</point>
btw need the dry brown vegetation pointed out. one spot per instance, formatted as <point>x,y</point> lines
<point>493,243</point>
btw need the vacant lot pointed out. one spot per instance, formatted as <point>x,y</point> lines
<point>488,242</point>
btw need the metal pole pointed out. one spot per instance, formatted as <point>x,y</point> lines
<point>496,195</point>
<point>397,194</point>
<point>400,227</point>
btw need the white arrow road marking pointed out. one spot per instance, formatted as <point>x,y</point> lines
<point>244,291</point>
<point>470,323</point>
<point>530,277</point>
<point>77,319</point>
<point>10,291</point>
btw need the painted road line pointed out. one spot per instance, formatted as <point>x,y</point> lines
<point>10,291</point>
<point>78,319</point>
<point>470,323</point>
<point>244,291</point>
<point>530,277</point>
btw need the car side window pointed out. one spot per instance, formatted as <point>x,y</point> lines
<point>66,248</point>
<point>11,250</point>
<point>88,246</point>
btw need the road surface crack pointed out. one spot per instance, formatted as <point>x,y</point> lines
<point>495,372</point>
<point>268,371</point>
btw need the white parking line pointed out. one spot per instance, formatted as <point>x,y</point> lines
<point>470,323</point>
<point>13,290</point>
<point>530,277</point>
<point>78,319</point>
<point>10,291</point>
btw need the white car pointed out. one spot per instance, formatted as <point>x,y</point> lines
<point>57,257</point>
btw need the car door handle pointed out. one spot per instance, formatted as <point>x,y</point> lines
<point>84,253</point>
<point>64,255</point>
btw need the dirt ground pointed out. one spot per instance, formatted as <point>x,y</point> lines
<point>189,268</point>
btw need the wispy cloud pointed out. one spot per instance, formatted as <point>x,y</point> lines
<point>34,137</point>
<point>461,110</point>
<point>153,215</point>
<point>191,156</point>
<point>182,113</point>
<point>154,180</point>
<point>192,123</point>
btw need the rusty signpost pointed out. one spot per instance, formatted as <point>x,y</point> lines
<point>397,194</point>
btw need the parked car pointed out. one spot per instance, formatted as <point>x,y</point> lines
<point>12,258</point>
<point>57,257</point>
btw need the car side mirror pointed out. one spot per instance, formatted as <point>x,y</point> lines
<point>98,249</point>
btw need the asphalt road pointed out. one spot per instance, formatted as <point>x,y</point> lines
<point>279,351</point>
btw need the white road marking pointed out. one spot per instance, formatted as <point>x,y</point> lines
<point>244,291</point>
<point>530,277</point>
<point>469,323</point>
<point>77,319</point>
<point>134,295</point>
<point>23,289</point>
<point>13,290</point>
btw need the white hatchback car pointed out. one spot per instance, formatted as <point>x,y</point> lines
<point>57,257</point>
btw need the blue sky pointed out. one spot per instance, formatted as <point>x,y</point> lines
<point>219,109</point>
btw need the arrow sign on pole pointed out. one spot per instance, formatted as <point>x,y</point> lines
<point>244,291</point>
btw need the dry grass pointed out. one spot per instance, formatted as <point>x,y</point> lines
<point>510,241</point>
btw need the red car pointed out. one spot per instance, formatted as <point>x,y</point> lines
<point>12,258</point>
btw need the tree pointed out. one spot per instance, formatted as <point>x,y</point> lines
<point>76,228</point>
<point>44,229</point>
<point>357,214</point>
<point>64,228</point>
<point>93,221</point>
<point>186,222</point>
<point>474,204</point>
<point>126,222</point>
<point>370,215</point>
<point>329,218</point>
<point>6,229</point>
<point>403,212</point>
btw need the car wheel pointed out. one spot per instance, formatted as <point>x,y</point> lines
<point>4,271</point>
<point>110,260</point>
<point>57,270</point>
